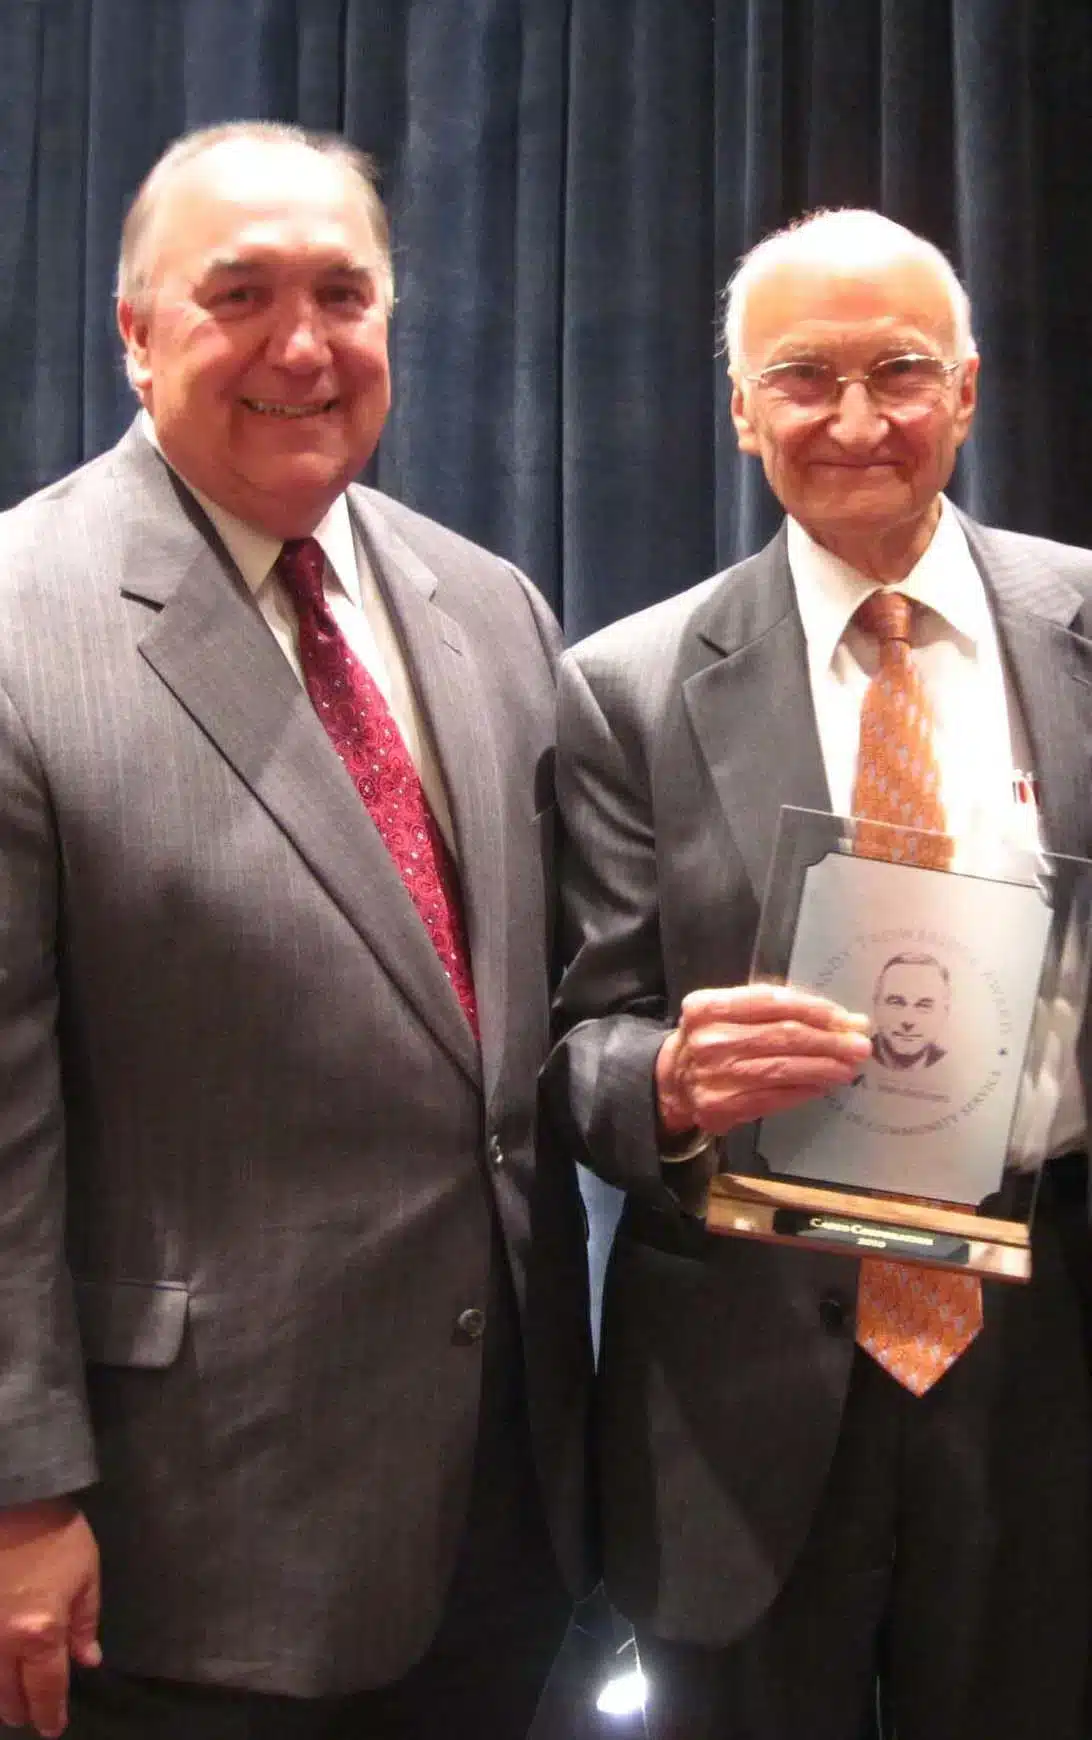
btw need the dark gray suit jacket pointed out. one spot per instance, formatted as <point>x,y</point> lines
<point>249,1151</point>
<point>725,1363</point>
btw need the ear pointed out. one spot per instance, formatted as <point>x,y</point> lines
<point>966,400</point>
<point>134,328</point>
<point>741,419</point>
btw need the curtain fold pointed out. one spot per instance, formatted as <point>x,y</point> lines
<point>477,195</point>
<point>571,184</point>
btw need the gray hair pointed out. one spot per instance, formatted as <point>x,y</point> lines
<point>133,280</point>
<point>843,236</point>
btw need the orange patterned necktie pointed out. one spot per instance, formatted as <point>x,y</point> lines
<point>914,1322</point>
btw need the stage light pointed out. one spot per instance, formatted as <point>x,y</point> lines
<point>623,1695</point>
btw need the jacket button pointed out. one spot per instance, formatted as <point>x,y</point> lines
<point>470,1324</point>
<point>496,1152</point>
<point>833,1314</point>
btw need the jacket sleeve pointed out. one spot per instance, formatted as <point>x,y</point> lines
<point>45,1437</point>
<point>611,1009</point>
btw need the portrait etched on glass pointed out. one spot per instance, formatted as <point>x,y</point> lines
<point>911,1009</point>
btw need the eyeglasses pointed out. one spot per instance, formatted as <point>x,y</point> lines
<point>895,383</point>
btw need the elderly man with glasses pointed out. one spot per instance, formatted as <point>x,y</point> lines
<point>802,1496</point>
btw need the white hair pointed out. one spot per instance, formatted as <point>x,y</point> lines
<point>844,238</point>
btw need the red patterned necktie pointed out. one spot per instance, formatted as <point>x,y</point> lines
<point>914,1322</point>
<point>361,728</point>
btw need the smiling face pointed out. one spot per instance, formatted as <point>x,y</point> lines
<point>857,479</point>
<point>911,1009</point>
<point>260,345</point>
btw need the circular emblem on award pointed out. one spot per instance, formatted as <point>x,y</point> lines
<point>941,1030</point>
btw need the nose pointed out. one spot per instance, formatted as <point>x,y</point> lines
<point>298,339</point>
<point>855,421</point>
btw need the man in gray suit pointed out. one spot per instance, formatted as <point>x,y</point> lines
<point>783,1517</point>
<point>293,1326</point>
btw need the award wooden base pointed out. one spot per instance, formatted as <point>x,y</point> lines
<point>930,1234</point>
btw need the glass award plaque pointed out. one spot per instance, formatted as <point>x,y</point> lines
<point>975,978</point>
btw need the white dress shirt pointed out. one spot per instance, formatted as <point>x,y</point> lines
<point>978,732</point>
<point>979,735</point>
<point>357,606</point>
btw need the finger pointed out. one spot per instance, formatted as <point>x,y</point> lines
<point>716,1104</point>
<point>818,1074</point>
<point>44,1676</point>
<point>750,1074</point>
<point>87,1651</point>
<point>13,1709</point>
<point>714,1086</point>
<point>764,1002</point>
<point>723,1045</point>
<point>83,1626</point>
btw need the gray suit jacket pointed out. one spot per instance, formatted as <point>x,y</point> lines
<point>249,1153</point>
<point>724,1363</point>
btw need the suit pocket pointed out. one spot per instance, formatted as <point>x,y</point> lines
<point>133,1323</point>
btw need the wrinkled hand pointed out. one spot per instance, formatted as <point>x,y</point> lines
<point>49,1610</point>
<point>749,1050</point>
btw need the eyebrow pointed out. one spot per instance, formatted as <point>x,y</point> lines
<point>796,347</point>
<point>805,350</point>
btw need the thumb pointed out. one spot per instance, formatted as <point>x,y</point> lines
<point>83,1626</point>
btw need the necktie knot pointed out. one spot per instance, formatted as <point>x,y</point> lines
<point>301,565</point>
<point>885,616</point>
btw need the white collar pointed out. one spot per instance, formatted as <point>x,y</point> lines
<point>254,551</point>
<point>828,590</point>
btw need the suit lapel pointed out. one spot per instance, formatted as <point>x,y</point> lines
<point>453,698</point>
<point>751,708</point>
<point>210,646</point>
<point>1050,659</point>
<point>750,701</point>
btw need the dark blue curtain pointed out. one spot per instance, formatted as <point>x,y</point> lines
<point>571,182</point>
